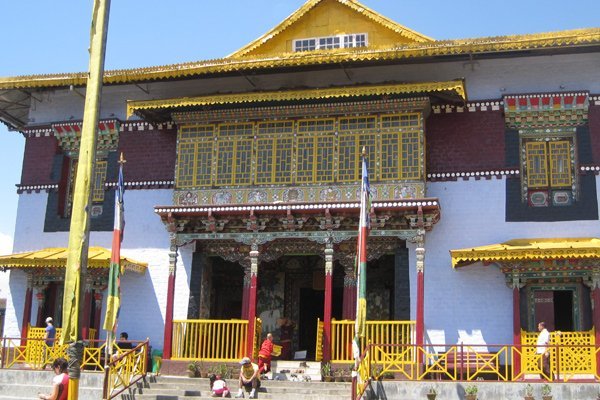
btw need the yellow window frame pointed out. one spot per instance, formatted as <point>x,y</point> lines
<point>194,141</point>
<point>272,142</point>
<point>560,163</point>
<point>315,140</point>
<point>537,164</point>
<point>99,179</point>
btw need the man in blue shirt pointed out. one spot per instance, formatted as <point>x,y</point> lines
<point>50,332</point>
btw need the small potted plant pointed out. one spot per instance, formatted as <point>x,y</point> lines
<point>432,393</point>
<point>528,392</point>
<point>193,369</point>
<point>326,372</point>
<point>546,392</point>
<point>471,392</point>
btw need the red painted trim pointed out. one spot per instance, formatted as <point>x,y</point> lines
<point>169,317</point>
<point>87,311</point>
<point>27,312</point>
<point>517,328</point>
<point>251,315</point>
<point>349,303</point>
<point>327,317</point>
<point>419,329</point>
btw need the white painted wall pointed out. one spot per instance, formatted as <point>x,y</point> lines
<point>143,296</point>
<point>476,297</point>
<point>485,80</point>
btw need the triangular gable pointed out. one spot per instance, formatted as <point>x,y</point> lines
<point>321,18</point>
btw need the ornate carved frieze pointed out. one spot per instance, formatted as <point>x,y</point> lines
<point>546,110</point>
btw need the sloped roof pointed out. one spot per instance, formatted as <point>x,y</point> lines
<point>499,44</point>
<point>455,88</point>
<point>56,257</point>
<point>352,4</point>
<point>528,249</point>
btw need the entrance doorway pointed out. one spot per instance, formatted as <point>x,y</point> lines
<point>311,308</point>
<point>555,308</point>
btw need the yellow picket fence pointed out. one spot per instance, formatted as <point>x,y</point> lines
<point>212,340</point>
<point>380,332</point>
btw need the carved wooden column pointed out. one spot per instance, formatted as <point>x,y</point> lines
<point>87,309</point>
<point>516,286</point>
<point>168,333</point>
<point>349,301</point>
<point>98,296</point>
<point>246,291</point>
<point>594,284</point>
<point>252,298</point>
<point>27,306</point>
<point>420,324</point>
<point>328,300</point>
<point>40,288</point>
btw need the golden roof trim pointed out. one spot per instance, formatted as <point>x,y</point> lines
<point>456,86</point>
<point>56,257</point>
<point>309,5</point>
<point>528,249</point>
<point>438,48</point>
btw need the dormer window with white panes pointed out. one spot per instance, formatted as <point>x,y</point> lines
<point>331,42</point>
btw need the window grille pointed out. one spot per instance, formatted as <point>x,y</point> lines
<point>99,179</point>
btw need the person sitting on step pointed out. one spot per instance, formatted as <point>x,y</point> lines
<point>249,378</point>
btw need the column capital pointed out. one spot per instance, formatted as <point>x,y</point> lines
<point>329,258</point>
<point>420,252</point>
<point>593,280</point>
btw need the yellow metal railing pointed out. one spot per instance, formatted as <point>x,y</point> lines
<point>215,340</point>
<point>257,335</point>
<point>319,341</point>
<point>571,354</point>
<point>380,332</point>
<point>34,353</point>
<point>125,370</point>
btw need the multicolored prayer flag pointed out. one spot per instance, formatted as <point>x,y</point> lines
<point>361,260</point>
<point>114,274</point>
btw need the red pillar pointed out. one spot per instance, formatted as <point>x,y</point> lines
<point>252,300</point>
<point>27,310</point>
<point>41,298</point>
<point>349,301</point>
<point>596,318</point>
<point>168,334</point>
<point>245,293</point>
<point>517,326</point>
<point>87,310</point>
<point>420,323</point>
<point>98,313</point>
<point>328,299</point>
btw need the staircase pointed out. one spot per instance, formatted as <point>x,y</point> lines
<point>26,384</point>
<point>175,388</point>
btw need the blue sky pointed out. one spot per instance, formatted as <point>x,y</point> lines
<point>41,37</point>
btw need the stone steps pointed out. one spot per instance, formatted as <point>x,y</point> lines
<point>175,388</point>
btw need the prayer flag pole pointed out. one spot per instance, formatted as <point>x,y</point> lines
<point>76,270</point>
<point>361,261</point>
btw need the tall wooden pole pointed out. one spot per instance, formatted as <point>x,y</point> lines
<point>76,271</point>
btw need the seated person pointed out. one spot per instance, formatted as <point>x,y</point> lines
<point>218,386</point>
<point>249,378</point>
<point>123,343</point>
<point>60,383</point>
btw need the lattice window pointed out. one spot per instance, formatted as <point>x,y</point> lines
<point>548,163</point>
<point>99,179</point>
<point>401,146</point>
<point>234,154</point>
<point>275,146</point>
<point>194,156</point>
<point>560,163</point>
<point>537,164</point>
<point>315,150</point>
<point>354,134</point>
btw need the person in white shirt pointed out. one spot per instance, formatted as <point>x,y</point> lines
<point>542,349</point>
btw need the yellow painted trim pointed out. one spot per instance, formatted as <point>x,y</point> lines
<point>309,5</point>
<point>329,93</point>
<point>98,257</point>
<point>568,38</point>
<point>528,249</point>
